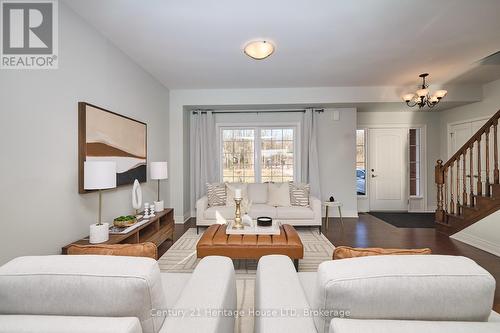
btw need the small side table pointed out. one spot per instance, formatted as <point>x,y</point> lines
<point>333,204</point>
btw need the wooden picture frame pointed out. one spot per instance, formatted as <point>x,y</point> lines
<point>106,135</point>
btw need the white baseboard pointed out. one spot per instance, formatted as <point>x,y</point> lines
<point>475,241</point>
<point>333,212</point>
<point>179,219</point>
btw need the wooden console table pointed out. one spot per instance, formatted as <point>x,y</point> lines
<point>159,229</point>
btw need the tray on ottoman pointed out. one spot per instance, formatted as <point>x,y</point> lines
<point>216,242</point>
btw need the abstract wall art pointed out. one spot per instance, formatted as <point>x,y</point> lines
<point>107,136</point>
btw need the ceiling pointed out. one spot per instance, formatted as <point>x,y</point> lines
<point>198,43</point>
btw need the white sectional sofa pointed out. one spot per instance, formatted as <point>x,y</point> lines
<point>107,294</point>
<point>258,196</point>
<point>380,294</point>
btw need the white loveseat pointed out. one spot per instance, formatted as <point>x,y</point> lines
<point>380,294</point>
<point>107,294</point>
<point>258,197</point>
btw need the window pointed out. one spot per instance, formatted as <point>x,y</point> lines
<point>258,154</point>
<point>414,147</point>
<point>238,155</point>
<point>360,162</point>
<point>276,155</point>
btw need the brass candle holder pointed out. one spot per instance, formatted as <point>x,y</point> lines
<point>237,215</point>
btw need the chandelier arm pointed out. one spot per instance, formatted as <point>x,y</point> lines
<point>414,104</point>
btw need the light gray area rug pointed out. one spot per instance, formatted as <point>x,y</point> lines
<point>181,258</point>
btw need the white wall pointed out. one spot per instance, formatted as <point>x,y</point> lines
<point>39,200</point>
<point>408,118</point>
<point>336,148</point>
<point>483,234</point>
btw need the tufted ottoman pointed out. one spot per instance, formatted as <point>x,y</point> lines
<point>215,242</point>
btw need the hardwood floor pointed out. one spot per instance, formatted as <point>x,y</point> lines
<point>369,231</point>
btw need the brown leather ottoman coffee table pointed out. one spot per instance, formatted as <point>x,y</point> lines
<point>215,242</point>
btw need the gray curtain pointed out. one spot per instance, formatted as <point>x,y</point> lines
<point>205,151</point>
<point>309,152</point>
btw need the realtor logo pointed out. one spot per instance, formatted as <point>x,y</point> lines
<point>29,34</point>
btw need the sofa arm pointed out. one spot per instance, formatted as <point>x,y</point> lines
<point>315,204</point>
<point>201,206</point>
<point>63,324</point>
<point>280,297</point>
<point>410,326</point>
<point>207,303</point>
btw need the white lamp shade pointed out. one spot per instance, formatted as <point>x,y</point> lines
<point>99,175</point>
<point>159,170</point>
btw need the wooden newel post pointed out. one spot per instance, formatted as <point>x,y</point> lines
<point>439,179</point>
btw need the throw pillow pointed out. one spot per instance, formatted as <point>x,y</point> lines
<point>130,250</point>
<point>299,194</point>
<point>216,193</point>
<point>231,187</point>
<point>279,195</point>
<point>344,252</point>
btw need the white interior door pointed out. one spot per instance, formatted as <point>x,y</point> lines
<point>459,135</point>
<point>388,158</point>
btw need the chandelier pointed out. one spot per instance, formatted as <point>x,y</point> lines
<point>422,96</point>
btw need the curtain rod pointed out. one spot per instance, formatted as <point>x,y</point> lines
<point>258,111</point>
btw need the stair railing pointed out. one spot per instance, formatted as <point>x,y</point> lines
<point>456,188</point>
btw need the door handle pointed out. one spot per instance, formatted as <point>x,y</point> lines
<point>468,176</point>
<point>373,176</point>
<point>475,176</point>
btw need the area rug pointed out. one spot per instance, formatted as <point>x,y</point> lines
<point>181,258</point>
<point>406,220</point>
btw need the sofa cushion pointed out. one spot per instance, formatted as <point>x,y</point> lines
<point>257,193</point>
<point>65,324</point>
<point>444,287</point>
<point>216,194</point>
<point>213,213</point>
<point>411,326</point>
<point>294,213</point>
<point>279,195</point>
<point>257,210</point>
<point>344,252</point>
<point>299,194</point>
<point>102,286</point>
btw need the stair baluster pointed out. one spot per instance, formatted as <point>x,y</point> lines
<point>471,174</point>
<point>458,185</point>
<point>452,202</point>
<point>496,175</point>
<point>446,190</point>
<point>479,182</point>
<point>487,152</point>
<point>464,182</point>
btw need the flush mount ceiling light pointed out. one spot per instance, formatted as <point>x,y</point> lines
<point>422,96</point>
<point>259,50</point>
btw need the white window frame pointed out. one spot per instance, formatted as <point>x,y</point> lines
<point>365,130</point>
<point>257,145</point>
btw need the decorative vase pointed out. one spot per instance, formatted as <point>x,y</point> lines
<point>99,233</point>
<point>158,206</point>
<point>136,196</point>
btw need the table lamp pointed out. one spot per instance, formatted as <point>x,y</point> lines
<point>99,175</point>
<point>159,170</point>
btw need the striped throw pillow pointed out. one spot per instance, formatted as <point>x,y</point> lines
<point>299,194</point>
<point>216,193</point>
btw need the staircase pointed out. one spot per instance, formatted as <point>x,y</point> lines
<point>468,184</point>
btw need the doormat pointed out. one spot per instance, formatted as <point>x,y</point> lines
<point>406,220</point>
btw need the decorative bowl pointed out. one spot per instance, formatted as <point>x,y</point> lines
<point>124,221</point>
<point>264,221</point>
